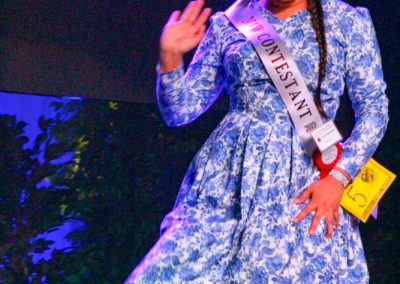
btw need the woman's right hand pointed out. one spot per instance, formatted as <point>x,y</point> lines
<point>182,33</point>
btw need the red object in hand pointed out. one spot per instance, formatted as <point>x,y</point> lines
<point>327,160</point>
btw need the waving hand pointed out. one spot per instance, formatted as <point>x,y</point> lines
<point>183,32</point>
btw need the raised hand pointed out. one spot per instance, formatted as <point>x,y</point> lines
<point>325,196</point>
<point>183,32</point>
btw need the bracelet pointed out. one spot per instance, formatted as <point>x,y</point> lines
<point>339,176</point>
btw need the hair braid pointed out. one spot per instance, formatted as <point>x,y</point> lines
<point>317,23</point>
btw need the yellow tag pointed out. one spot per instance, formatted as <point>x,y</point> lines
<point>364,193</point>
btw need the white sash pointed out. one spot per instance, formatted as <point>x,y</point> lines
<point>282,69</point>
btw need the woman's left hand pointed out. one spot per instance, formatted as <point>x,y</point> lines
<point>325,196</point>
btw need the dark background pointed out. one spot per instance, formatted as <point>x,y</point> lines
<point>131,164</point>
<point>108,49</point>
<point>96,49</point>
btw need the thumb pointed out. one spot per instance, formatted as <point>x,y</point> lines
<point>306,194</point>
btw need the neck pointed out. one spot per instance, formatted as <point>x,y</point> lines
<point>285,9</point>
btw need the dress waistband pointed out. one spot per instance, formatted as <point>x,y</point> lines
<point>266,112</point>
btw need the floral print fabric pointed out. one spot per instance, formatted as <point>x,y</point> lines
<point>232,220</point>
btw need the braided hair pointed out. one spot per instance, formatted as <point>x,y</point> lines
<point>317,23</point>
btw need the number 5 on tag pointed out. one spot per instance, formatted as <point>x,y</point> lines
<point>361,196</point>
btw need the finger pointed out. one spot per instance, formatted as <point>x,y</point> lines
<point>329,224</point>
<point>314,224</point>
<point>202,19</point>
<point>336,215</point>
<point>174,16</point>
<point>307,210</point>
<point>304,196</point>
<point>188,10</point>
<point>200,32</point>
<point>195,11</point>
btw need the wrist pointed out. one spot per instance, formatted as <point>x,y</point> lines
<point>170,52</point>
<point>169,60</point>
<point>341,177</point>
<point>346,174</point>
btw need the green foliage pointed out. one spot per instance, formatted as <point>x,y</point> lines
<point>123,177</point>
<point>106,194</point>
<point>25,208</point>
<point>123,185</point>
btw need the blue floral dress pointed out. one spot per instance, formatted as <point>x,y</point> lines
<point>232,220</point>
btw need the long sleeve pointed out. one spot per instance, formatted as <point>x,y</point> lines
<point>182,97</point>
<point>366,88</point>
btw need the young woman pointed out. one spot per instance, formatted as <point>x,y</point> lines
<point>252,207</point>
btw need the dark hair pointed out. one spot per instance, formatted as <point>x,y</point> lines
<point>317,23</point>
